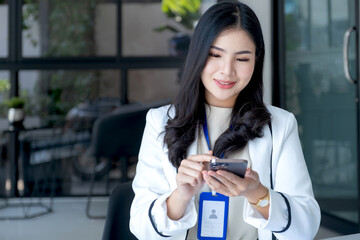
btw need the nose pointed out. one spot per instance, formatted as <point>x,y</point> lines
<point>227,67</point>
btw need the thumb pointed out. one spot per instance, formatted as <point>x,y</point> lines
<point>251,174</point>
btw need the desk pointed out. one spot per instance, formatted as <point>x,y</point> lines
<point>346,237</point>
<point>35,147</point>
<point>13,149</point>
<point>30,152</point>
<point>13,146</point>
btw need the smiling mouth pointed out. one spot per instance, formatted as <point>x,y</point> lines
<point>224,84</point>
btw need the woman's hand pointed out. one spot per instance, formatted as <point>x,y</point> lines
<point>231,185</point>
<point>189,181</point>
<point>190,178</point>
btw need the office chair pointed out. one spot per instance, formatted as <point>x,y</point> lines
<point>118,135</point>
<point>118,213</point>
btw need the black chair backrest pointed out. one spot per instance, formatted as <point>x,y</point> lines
<point>120,132</point>
<point>118,213</point>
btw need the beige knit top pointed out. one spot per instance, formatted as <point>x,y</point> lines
<point>218,120</point>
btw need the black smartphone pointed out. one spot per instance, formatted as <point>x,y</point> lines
<point>236,166</point>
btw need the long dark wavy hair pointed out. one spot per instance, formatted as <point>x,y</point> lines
<point>249,114</point>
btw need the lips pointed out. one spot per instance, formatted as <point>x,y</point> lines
<point>224,84</point>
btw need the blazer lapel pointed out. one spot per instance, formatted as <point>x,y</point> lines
<point>260,153</point>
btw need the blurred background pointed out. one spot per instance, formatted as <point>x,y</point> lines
<point>65,65</point>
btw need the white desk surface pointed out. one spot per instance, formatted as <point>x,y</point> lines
<point>347,237</point>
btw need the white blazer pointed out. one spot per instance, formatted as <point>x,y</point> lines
<point>293,214</point>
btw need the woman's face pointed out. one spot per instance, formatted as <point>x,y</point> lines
<point>229,67</point>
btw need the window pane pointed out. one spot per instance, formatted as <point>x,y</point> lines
<point>61,107</point>
<point>69,28</point>
<point>323,101</point>
<point>4,26</point>
<point>297,26</point>
<point>319,24</point>
<point>4,95</point>
<point>139,35</point>
<point>152,85</point>
<point>4,125</point>
<point>339,21</point>
<point>52,96</point>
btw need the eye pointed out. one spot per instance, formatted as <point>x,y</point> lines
<point>242,59</point>
<point>214,55</point>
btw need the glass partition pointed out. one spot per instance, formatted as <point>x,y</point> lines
<point>61,104</point>
<point>147,85</point>
<point>138,29</point>
<point>4,95</point>
<point>69,28</point>
<point>150,28</point>
<point>4,125</point>
<point>323,101</point>
<point>52,96</point>
<point>61,107</point>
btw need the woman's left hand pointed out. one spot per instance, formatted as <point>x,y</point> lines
<point>229,184</point>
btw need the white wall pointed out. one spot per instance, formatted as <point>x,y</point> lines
<point>262,8</point>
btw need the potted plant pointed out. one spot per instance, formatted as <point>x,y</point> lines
<point>185,13</point>
<point>16,109</point>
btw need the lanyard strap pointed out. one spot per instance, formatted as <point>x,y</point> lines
<point>206,133</point>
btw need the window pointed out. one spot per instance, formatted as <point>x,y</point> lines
<point>313,86</point>
<point>4,27</point>
<point>69,28</point>
<point>68,58</point>
<point>147,85</point>
<point>54,97</point>
<point>4,94</point>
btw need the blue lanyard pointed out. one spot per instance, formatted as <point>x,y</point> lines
<point>206,133</point>
<point>205,128</point>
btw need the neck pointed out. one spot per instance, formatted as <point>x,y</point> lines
<point>220,104</point>
<point>213,101</point>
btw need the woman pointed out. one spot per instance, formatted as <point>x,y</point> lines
<point>219,113</point>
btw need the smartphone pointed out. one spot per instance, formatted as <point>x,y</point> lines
<point>236,166</point>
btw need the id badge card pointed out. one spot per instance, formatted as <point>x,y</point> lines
<point>213,216</point>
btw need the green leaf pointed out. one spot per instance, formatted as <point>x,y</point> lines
<point>185,10</point>
<point>15,102</point>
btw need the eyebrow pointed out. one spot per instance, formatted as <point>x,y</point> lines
<point>223,50</point>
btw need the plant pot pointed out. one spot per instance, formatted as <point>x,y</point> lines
<point>179,45</point>
<point>16,115</point>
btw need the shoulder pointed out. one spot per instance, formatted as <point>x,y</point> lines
<point>279,114</point>
<point>281,119</point>
<point>159,116</point>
